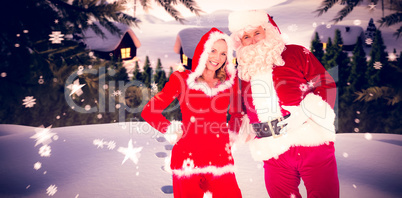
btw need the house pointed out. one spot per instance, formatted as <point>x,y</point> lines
<point>123,47</point>
<point>187,40</point>
<point>349,34</point>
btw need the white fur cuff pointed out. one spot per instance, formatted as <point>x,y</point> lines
<point>174,132</point>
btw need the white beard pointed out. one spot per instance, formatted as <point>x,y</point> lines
<point>260,57</point>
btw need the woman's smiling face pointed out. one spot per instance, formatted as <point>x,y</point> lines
<point>217,55</point>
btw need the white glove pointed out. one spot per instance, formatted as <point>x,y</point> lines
<point>295,120</point>
<point>174,132</point>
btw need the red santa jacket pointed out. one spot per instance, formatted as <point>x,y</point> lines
<point>204,146</point>
<point>301,81</point>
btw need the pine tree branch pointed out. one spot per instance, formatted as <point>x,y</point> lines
<point>345,11</point>
<point>398,32</point>
<point>390,19</point>
<point>325,6</point>
<point>192,6</point>
<point>171,10</point>
<point>375,93</point>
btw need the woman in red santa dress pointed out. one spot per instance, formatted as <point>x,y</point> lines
<point>201,159</point>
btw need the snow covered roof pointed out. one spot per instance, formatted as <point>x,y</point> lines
<point>111,41</point>
<point>348,37</point>
<point>188,39</point>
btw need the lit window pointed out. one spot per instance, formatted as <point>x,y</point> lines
<point>125,53</point>
<point>234,61</point>
<point>184,59</point>
<point>324,46</point>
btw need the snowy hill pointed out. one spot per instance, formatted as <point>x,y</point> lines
<point>95,161</point>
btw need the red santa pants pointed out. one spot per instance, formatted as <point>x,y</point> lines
<point>315,165</point>
<point>194,186</point>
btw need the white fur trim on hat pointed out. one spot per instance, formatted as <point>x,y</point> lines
<point>240,20</point>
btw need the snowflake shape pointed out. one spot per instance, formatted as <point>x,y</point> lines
<point>43,135</point>
<point>130,152</point>
<point>306,51</point>
<point>111,145</point>
<point>292,28</point>
<point>228,148</point>
<point>29,101</point>
<point>369,41</point>
<point>303,87</point>
<point>188,164</point>
<point>98,142</point>
<point>56,37</point>
<point>37,165</point>
<point>198,21</point>
<point>154,86</point>
<point>3,74</point>
<point>51,190</point>
<point>392,57</point>
<point>310,83</point>
<point>116,93</point>
<point>377,65</point>
<point>76,88</point>
<point>44,151</point>
<point>210,18</point>
<point>372,6</point>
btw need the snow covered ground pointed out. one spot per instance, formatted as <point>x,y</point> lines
<point>91,161</point>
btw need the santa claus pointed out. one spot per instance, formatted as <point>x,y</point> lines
<point>289,98</point>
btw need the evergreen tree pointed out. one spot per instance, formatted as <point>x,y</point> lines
<point>147,73</point>
<point>136,72</point>
<point>347,104</point>
<point>378,60</point>
<point>370,32</point>
<point>160,75</point>
<point>316,48</point>
<point>328,58</point>
<point>40,51</point>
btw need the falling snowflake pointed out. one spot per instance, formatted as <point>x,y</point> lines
<point>116,93</point>
<point>76,88</point>
<point>43,135</point>
<point>41,81</point>
<point>130,152</point>
<point>111,145</point>
<point>56,21</point>
<point>56,37</point>
<point>357,121</point>
<point>306,51</point>
<point>198,21</point>
<point>98,142</point>
<point>372,6</point>
<point>3,74</point>
<point>51,190</point>
<point>377,65</point>
<point>392,57</point>
<point>228,148</point>
<point>44,151</point>
<point>292,28</point>
<point>369,41</point>
<point>37,165</point>
<point>357,22</point>
<point>345,155</point>
<point>368,136</point>
<point>328,26</point>
<point>17,45</point>
<point>154,87</point>
<point>29,101</point>
<point>310,84</point>
<point>356,130</point>
<point>303,87</point>
<point>210,18</point>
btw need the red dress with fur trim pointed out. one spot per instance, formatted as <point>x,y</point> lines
<point>204,146</point>
<point>301,81</point>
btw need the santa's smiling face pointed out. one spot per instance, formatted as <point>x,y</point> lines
<point>253,36</point>
<point>217,56</point>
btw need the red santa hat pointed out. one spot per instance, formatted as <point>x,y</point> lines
<point>242,20</point>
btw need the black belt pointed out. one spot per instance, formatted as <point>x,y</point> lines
<point>267,129</point>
